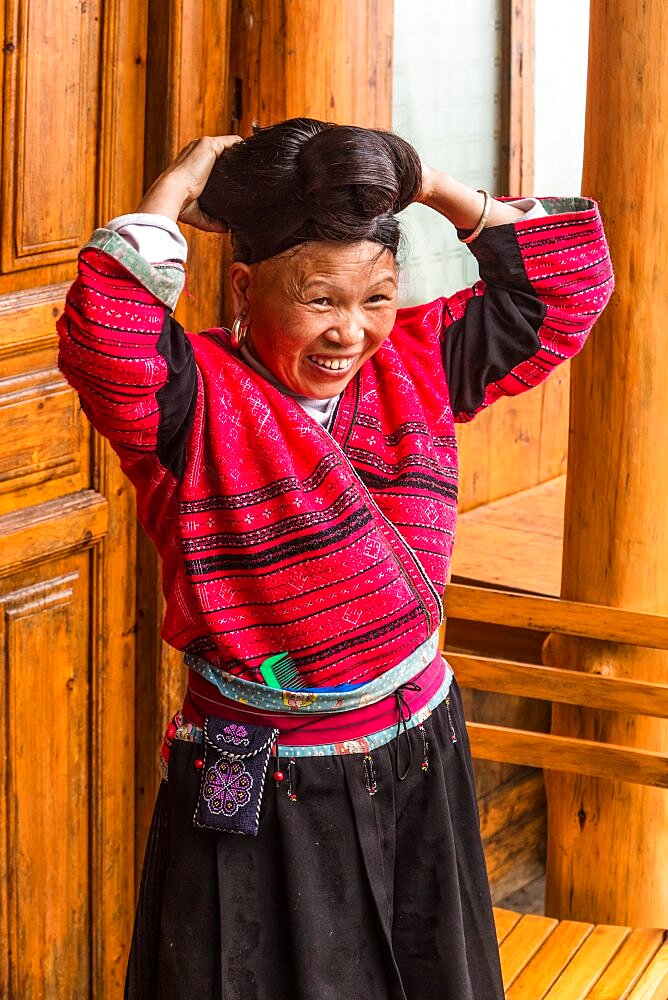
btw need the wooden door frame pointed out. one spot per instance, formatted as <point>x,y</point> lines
<point>520,25</point>
<point>124,46</point>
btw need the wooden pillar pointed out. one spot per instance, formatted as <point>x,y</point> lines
<point>608,841</point>
<point>314,58</point>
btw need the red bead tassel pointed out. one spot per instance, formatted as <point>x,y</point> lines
<point>278,774</point>
<point>369,774</point>
<point>425,749</point>
<point>292,780</point>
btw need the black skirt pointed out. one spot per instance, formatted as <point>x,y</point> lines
<point>343,895</point>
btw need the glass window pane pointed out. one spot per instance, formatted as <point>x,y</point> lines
<point>447,87</point>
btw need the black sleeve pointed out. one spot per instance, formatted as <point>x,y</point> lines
<point>177,398</point>
<point>492,328</point>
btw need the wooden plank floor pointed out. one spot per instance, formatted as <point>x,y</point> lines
<point>515,542</point>
<point>547,959</point>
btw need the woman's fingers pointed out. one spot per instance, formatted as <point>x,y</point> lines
<point>194,216</point>
<point>206,149</point>
<point>176,190</point>
<point>196,160</point>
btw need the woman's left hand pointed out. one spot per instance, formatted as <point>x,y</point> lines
<point>176,190</point>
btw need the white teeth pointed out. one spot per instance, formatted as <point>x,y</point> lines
<point>334,364</point>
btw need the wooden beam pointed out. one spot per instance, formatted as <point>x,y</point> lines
<point>615,526</point>
<point>521,97</point>
<point>563,753</point>
<point>549,614</point>
<point>571,687</point>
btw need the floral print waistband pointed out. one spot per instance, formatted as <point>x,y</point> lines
<point>181,729</point>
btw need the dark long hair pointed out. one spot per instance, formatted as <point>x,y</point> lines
<point>303,180</point>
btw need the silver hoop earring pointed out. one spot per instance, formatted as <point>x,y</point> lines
<point>238,334</point>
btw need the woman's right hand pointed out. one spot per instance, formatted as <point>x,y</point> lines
<point>175,192</point>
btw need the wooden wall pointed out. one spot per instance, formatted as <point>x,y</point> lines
<point>516,444</point>
<point>72,136</point>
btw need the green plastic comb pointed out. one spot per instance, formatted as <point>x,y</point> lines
<point>280,672</point>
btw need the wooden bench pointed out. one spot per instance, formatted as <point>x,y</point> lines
<point>542,957</point>
<point>547,959</point>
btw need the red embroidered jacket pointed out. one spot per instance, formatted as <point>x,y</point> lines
<point>275,536</point>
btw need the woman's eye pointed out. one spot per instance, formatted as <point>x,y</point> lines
<point>379,298</point>
<point>320,302</point>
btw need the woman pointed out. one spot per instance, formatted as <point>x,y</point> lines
<point>299,478</point>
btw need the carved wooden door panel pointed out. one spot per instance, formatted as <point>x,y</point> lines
<point>72,155</point>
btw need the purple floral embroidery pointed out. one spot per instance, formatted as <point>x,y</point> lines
<point>236,734</point>
<point>227,787</point>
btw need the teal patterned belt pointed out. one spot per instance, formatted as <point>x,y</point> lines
<point>279,700</point>
<point>190,733</point>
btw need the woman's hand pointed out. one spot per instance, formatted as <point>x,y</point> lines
<point>176,191</point>
<point>461,204</point>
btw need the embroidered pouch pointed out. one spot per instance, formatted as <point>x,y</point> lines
<point>236,758</point>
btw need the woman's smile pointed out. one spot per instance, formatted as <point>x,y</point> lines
<point>332,366</point>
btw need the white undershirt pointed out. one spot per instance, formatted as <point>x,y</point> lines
<point>322,410</point>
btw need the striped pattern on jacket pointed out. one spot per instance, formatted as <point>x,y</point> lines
<point>275,536</point>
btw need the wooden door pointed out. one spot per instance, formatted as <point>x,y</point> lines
<point>72,151</point>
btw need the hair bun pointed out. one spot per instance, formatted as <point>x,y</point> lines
<point>407,166</point>
<point>305,179</point>
<point>358,172</point>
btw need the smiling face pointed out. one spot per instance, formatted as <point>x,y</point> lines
<point>315,315</point>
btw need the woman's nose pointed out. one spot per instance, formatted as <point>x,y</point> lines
<point>348,332</point>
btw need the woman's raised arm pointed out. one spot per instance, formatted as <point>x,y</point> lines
<point>544,280</point>
<point>120,347</point>
<point>459,203</point>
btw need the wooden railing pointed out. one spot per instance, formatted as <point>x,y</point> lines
<point>559,684</point>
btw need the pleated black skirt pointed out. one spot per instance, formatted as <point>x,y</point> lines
<point>343,895</point>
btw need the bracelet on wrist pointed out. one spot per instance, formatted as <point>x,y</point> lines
<point>487,208</point>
